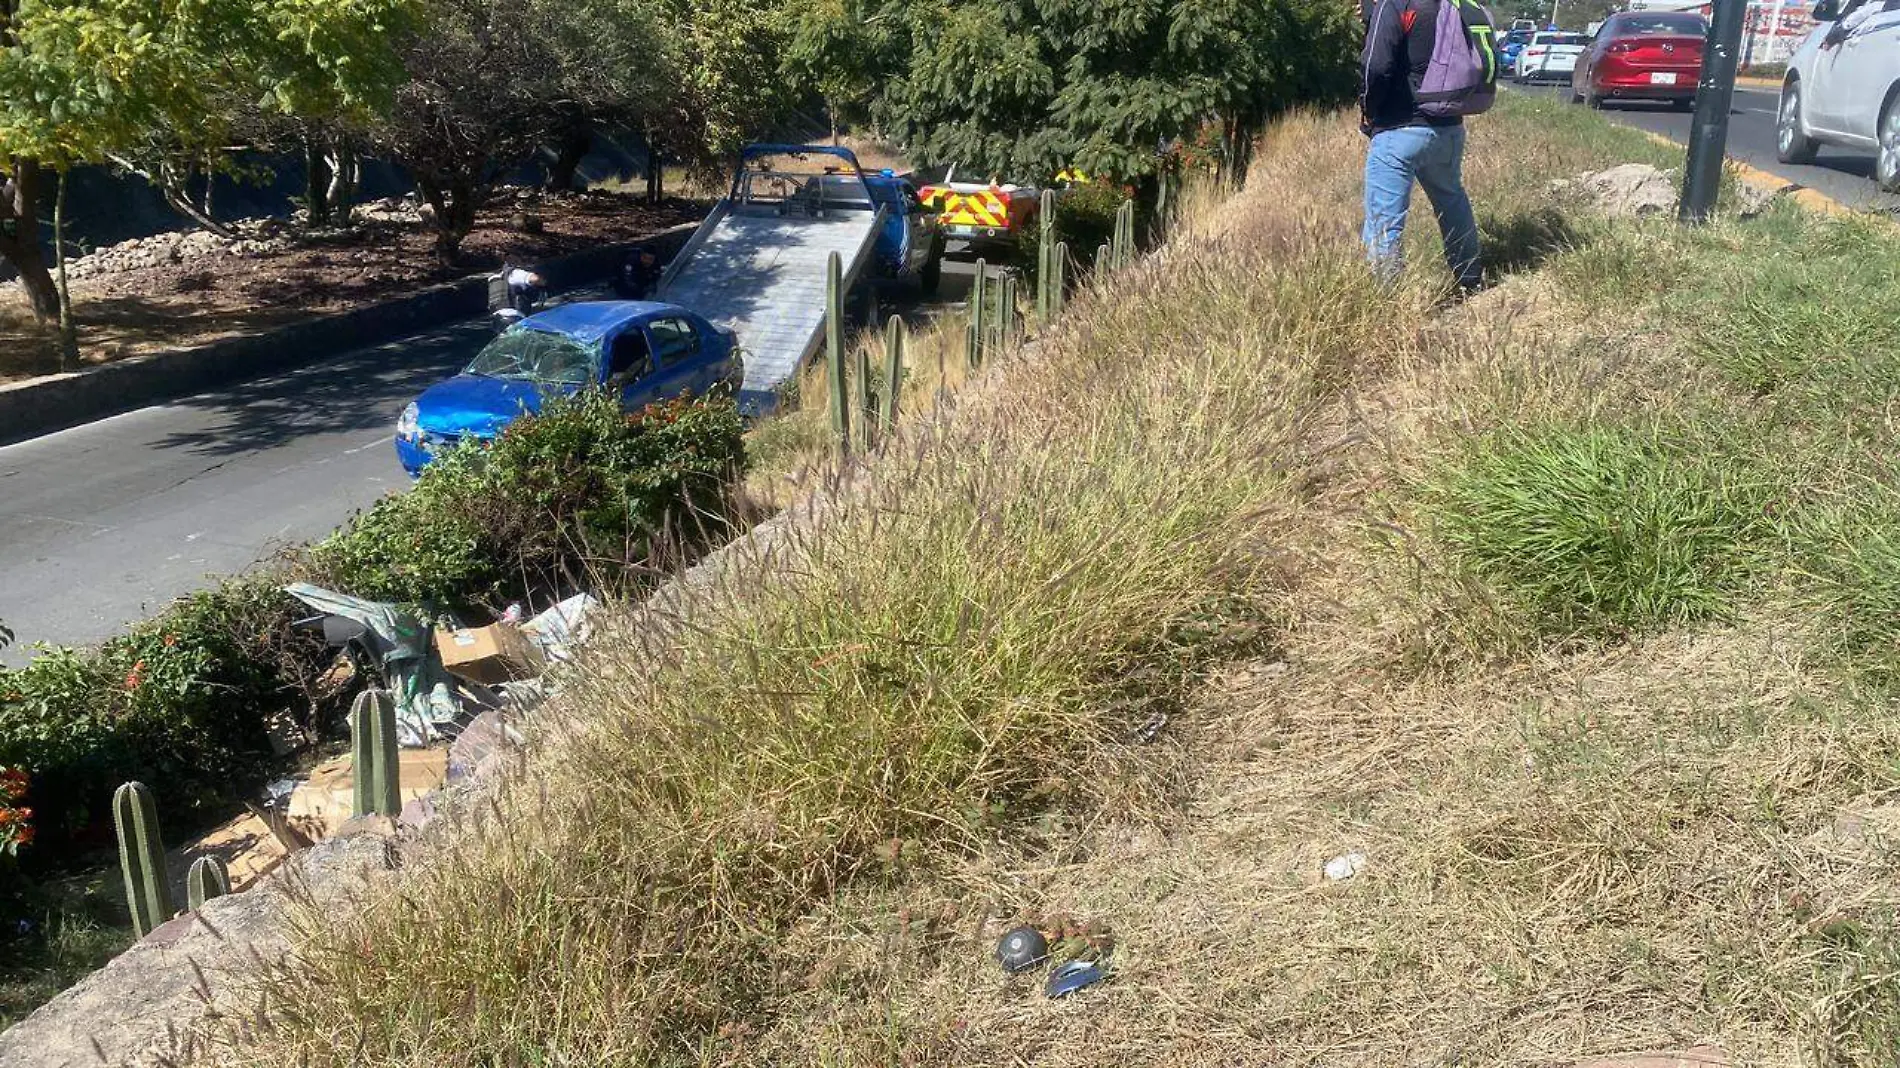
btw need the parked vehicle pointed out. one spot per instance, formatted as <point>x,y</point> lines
<point>985,215</point>
<point>1842,88</point>
<point>757,265</point>
<point>644,351</point>
<point>1550,56</point>
<point>1513,46</point>
<point>1642,55</point>
<point>910,246</point>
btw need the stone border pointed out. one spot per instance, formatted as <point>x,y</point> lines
<point>40,406</point>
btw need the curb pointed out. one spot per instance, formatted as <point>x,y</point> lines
<point>1811,199</point>
<point>41,406</point>
<point>1755,82</point>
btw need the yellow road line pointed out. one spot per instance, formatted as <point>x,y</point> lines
<point>1811,199</point>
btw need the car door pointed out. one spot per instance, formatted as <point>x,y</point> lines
<point>1868,63</point>
<point>630,369</point>
<point>1828,76</point>
<point>678,368</point>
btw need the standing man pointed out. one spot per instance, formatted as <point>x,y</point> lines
<point>1427,64</point>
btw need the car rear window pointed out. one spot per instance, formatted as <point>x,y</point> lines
<point>1559,39</point>
<point>526,355</point>
<point>1646,24</point>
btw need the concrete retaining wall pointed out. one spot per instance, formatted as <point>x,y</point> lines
<point>43,405</point>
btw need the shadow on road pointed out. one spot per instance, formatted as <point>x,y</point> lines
<point>363,391</point>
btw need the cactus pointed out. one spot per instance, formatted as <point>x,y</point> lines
<point>378,788</point>
<point>1104,257</point>
<point>141,857</point>
<point>1006,317</point>
<point>834,352</point>
<point>1045,259</point>
<point>893,372</point>
<point>979,297</point>
<point>1125,234</point>
<point>1059,290</point>
<point>863,405</point>
<point>207,879</point>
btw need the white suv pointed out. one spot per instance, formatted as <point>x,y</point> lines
<point>1843,87</point>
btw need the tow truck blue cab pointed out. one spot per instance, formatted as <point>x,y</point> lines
<point>644,351</point>
<point>909,245</point>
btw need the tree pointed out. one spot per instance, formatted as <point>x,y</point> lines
<point>89,79</point>
<point>1027,87</point>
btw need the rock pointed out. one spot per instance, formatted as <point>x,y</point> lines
<point>1628,189</point>
<point>1752,200</point>
<point>1696,1057</point>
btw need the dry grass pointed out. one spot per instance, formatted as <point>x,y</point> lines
<point>789,829</point>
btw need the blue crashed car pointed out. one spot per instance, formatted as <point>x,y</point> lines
<point>1513,44</point>
<point>644,351</point>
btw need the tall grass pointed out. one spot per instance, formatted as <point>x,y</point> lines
<point>1597,530</point>
<point>975,613</point>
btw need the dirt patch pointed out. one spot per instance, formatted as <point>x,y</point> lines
<point>154,298</point>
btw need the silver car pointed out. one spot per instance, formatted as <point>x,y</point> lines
<point>1843,87</point>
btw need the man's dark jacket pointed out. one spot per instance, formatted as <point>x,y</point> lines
<point>1399,38</point>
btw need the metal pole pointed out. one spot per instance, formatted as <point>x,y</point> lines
<point>1708,134</point>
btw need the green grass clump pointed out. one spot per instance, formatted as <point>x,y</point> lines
<point>1595,530</point>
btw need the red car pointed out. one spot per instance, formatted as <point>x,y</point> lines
<point>1642,55</point>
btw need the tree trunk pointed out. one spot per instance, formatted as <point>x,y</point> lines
<point>575,144</point>
<point>454,206</point>
<point>345,177</point>
<point>20,240</point>
<point>656,170</point>
<point>316,185</point>
<point>68,334</point>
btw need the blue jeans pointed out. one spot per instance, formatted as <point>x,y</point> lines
<point>1434,155</point>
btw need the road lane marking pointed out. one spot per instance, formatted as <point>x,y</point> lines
<point>1812,199</point>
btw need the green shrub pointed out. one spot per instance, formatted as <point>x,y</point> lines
<point>180,703</point>
<point>582,490</point>
<point>1595,530</point>
<point>1085,217</point>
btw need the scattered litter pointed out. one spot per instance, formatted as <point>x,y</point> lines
<point>561,628</point>
<point>1022,948</point>
<point>512,615</point>
<point>489,655</point>
<point>398,643</point>
<point>1345,866</point>
<point>1147,731</point>
<point>1073,976</point>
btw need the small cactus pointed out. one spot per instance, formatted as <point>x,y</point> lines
<point>208,878</point>
<point>893,372</point>
<point>141,857</point>
<point>1125,234</point>
<point>1104,257</point>
<point>834,352</point>
<point>1006,317</point>
<point>979,297</point>
<point>863,406</point>
<point>1058,291</point>
<point>374,767</point>
<point>1045,260</point>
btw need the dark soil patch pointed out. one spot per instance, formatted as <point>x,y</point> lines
<point>177,304</point>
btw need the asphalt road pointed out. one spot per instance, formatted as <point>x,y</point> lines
<point>1844,176</point>
<point>103,523</point>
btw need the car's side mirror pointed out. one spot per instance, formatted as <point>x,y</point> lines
<point>1827,11</point>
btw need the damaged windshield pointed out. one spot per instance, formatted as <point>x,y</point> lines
<point>535,356</point>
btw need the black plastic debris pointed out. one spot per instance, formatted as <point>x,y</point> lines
<point>1022,948</point>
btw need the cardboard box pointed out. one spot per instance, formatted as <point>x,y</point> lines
<point>488,655</point>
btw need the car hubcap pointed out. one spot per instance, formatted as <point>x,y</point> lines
<point>1790,109</point>
<point>1890,143</point>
